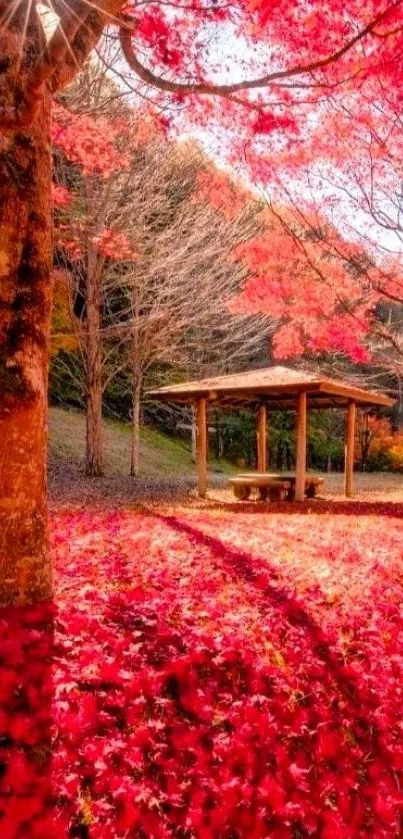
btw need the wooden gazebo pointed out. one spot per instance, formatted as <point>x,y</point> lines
<point>271,389</point>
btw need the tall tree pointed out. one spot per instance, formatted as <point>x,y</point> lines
<point>162,304</point>
<point>90,237</point>
<point>291,53</point>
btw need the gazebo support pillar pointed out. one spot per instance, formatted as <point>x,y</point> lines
<point>300,472</point>
<point>261,438</point>
<point>201,447</point>
<point>349,450</point>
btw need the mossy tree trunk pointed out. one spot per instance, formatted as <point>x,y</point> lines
<point>25,310</point>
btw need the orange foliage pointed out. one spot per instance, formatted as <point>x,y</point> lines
<point>395,454</point>
<point>378,444</point>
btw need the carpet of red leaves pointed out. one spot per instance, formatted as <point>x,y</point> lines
<point>208,675</point>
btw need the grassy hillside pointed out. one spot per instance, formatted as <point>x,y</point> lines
<point>160,455</point>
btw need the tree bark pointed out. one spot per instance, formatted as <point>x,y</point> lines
<point>94,461</point>
<point>398,412</point>
<point>136,412</point>
<point>137,380</point>
<point>194,437</point>
<point>25,308</point>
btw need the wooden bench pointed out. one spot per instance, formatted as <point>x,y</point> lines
<point>276,490</point>
<point>276,487</point>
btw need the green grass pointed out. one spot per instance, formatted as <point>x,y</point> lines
<point>160,454</point>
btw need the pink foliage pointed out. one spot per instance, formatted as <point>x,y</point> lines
<point>219,192</point>
<point>114,244</point>
<point>94,145</point>
<point>91,143</point>
<point>61,195</point>
<point>317,305</point>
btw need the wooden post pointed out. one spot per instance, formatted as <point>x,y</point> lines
<point>202,447</point>
<point>300,475</point>
<point>349,450</point>
<point>261,438</point>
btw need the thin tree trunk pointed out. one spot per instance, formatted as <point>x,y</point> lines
<point>136,412</point>
<point>219,442</point>
<point>364,456</point>
<point>194,437</point>
<point>398,411</point>
<point>365,442</point>
<point>25,308</point>
<point>137,381</point>
<point>220,445</point>
<point>94,464</point>
<point>94,461</point>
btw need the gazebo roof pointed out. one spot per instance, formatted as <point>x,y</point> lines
<point>278,387</point>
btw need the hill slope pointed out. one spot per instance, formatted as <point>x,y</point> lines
<point>161,456</point>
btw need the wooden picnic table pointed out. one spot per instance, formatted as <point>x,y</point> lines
<point>274,485</point>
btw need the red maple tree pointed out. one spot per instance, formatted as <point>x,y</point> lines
<point>342,190</point>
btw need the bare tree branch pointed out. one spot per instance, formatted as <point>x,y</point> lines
<point>154,80</point>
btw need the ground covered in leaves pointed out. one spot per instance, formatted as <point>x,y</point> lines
<point>209,674</point>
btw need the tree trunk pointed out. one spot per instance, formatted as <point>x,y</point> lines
<point>194,437</point>
<point>136,411</point>
<point>365,444</point>
<point>398,412</point>
<point>365,455</point>
<point>94,461</point>
<point>137,380</point>
<point>25,308</point>
<point>220,443</point>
